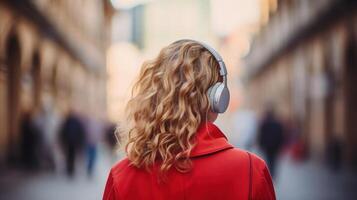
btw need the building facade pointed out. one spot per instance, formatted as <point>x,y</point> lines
<point>304,62</point>
<point>52,54</point>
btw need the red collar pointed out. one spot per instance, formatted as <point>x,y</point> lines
<point>209,139</point>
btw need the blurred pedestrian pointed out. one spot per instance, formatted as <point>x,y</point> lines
<point>72,136</point>
<point>48,121</point>
<point>334,152</point>
<point>30,141</point>
<point>113,141</point>
<point>94,133</point>
<point>110,137</point>
<point>271,138</point>
<point>174,151</point>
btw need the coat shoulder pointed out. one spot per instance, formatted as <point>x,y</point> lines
<point>240,153</point>
<point>120,166</point>
<point>258,162</point>
<point>243,155</point>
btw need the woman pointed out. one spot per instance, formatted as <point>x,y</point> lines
<point>174,151</point>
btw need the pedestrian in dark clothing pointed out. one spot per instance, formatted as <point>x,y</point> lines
<point>334,153</point>
<point>271,138</point>
<point>110,136</point>
<point>30,140</point>
<point>72,135</point>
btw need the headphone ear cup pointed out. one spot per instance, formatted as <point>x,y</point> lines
<point>211,95</point>
<point>223,98</point>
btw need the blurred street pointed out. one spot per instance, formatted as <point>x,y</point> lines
<point>311,180</point>
<point>15,184</point>
<point>295,181</point>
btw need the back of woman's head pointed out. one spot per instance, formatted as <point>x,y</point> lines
<point>169,101</point>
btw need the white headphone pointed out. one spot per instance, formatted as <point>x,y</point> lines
<point>218,94</point>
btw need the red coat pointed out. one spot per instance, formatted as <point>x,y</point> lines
<point>219,172</point>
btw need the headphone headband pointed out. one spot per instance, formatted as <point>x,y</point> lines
<point>215,54</point>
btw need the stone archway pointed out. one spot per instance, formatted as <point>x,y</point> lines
<point>34,76</point>
<point>11,97</point>
<point>351,97</point>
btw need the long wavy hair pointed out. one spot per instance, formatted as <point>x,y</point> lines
<point>169,101</point>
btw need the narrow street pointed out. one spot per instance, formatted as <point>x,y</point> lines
<point>294,181</point>
<point>17,185</point>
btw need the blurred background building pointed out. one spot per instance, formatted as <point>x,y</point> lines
<point>303,60</point>
<point>52,54</point>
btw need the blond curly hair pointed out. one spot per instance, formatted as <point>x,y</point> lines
<point>168,103</point>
